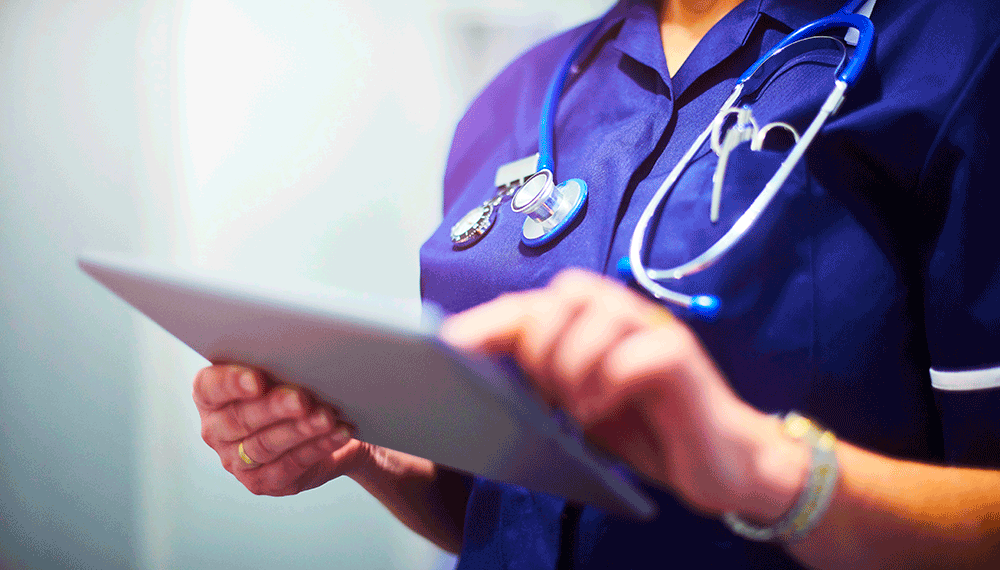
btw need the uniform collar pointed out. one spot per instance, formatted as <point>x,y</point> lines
<point>632,27</point>
<point>795,13</point>
<point>640,40</point>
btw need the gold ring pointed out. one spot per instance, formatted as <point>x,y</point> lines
<point>246,458</point>
<point>658,317</point>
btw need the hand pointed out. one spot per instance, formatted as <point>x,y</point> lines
<point>295,442</point>
<point>643,387</point>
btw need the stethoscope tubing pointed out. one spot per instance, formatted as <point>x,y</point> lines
<point>639,272</point>
<point>853,69</point>
<point>707,306</point>
<point>547,124</point>
<point>760,203</point>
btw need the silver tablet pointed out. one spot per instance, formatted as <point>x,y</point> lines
<point>390,377</point>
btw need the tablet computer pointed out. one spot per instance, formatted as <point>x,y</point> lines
<point>387,373</point>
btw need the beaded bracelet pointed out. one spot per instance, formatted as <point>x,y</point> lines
<point>814,498</point>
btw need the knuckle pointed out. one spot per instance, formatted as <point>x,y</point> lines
<point>570,275</point>
<point>618,320</point>
<point>299,458</point>
<point>204,389</point>
<point>539,307</point>
<point>287,469</point>
<point>236,418</point>
<point>271,488</point>
<point>263,482</point>
<point>573,279</point>
<point>255,486</point>
<point>510,298</point>
<point>678,341</point>
<point>264,446</point>
<point>230,465</point>
<point>567,373</point>
<point>198,386</point>
<point>207,433</point>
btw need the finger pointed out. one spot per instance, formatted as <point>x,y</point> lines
<point>610,312</point>
<point>547,317</point>
<point>499,325</point>
<point>609,316</point>
<point>571,294</point>
<point>653,360</point>
<point>217,386</point>
<point>491,327</point>
<point>285,475</point>
<point>315,450</point>
<point>240,418</point>
<point>271,443</point>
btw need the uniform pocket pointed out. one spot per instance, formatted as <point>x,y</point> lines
<point>767,251</point>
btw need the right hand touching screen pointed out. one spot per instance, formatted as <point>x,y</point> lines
<point>290,441</point>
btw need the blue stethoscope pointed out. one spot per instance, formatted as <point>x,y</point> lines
<point>551,208</point>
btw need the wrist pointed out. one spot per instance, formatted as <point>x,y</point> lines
<point>377,467</point>
<point>365,469</point>
<point>813,497</point>
<point>778,474</point>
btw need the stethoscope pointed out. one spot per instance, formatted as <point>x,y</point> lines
<point>551,208</point>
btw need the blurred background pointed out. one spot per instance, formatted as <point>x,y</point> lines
<point>301,140</point>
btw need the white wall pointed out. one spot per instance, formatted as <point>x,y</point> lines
<point>304,139</point>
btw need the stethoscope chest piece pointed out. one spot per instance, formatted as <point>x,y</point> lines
<point>550,207</point>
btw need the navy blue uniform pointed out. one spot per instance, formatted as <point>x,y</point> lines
<point>871,280</point>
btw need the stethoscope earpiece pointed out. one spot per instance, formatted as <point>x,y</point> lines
<point>705,307</point>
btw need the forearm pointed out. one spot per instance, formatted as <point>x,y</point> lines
<point>892,513</point>
<point>885,512</point>
<point>428,499</point>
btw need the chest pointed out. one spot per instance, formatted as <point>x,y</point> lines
<point>812,298</point>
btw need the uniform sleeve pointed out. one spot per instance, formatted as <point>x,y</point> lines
<point>962,284</point>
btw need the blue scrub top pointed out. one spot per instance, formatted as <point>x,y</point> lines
<point>878,261</point>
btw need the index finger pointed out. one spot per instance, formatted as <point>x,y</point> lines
<point>500,325</point>
<point>494,326</point>
<point>216,386</point>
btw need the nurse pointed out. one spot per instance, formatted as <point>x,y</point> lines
<point>867,299</point>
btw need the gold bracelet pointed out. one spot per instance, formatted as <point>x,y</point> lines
<point>813,500</point>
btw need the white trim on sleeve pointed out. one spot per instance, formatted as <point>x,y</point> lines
<point>965,380</point>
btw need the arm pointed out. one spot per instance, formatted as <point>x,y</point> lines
<point>295,443</point>
<point>889,512</point>
<point>620,364</point>
<point>426,497</point>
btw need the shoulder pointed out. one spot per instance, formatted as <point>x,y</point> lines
<point>507,111</point>
<point>932,45</point>
<point>926,59</point>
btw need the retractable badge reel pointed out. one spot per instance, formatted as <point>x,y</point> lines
<point>550,208</point>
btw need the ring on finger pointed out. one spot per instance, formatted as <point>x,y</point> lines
<point>658,317</point>
<point>246,459</point>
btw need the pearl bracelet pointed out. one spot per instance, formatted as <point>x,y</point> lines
<point>814,498</point>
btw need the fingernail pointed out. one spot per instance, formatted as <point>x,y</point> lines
<point>340,436</point>
<point>248,383</point>
<point>291,401</point>
<point>450,329</point>
<point>320,422</point>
